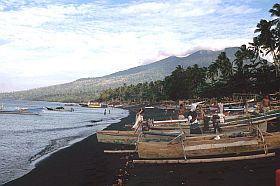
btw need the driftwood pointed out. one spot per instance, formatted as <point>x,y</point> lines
<point>190,161</point>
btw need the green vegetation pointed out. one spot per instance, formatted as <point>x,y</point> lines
<point>247,73</point>
<point>86,89</point>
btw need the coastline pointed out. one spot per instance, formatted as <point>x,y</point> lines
<point>82,163</point>
<point>85,164</point>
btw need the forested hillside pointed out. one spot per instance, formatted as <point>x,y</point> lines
<point>89,88</point>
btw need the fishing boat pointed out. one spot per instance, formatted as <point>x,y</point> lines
<point>95,104</point>
<point>22,111</point>
<point>171,128</point>
<point>130,137</point>
<point>234,121</point>
<point>206,146</point>
<point>60,109</point>
<point>257,117</point>
<point>158,134</point>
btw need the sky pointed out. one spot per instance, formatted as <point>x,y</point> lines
<point>47,42</point>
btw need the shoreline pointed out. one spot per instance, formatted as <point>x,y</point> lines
<point>71,165</point>
<point>85,164</point>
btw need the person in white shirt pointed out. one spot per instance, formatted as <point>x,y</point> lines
<point>192,117</point>
<point>139,120</point>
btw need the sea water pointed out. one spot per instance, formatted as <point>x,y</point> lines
<point>27,139</point>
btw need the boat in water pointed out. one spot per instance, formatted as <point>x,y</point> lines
<point>60,109</point>
<point>95,104</point>
<point>22,111</point>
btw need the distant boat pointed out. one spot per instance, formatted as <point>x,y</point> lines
<point>61,109</point>
<point>83,104</point>
<point>23,111</point>
<point>95,104</point>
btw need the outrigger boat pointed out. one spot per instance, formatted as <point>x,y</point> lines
<point>206,146</point>
<point>238,120</point>
<point>169,131</point>
<point>131,137</point>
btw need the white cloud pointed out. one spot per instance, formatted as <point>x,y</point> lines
<point>69,41</point>
<point>232,10</point>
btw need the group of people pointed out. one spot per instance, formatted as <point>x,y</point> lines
<point>192,115</point>
<point>105,111</point>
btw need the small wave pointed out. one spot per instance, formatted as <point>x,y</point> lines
<point>104,119</point>
<point>53,146</point>
<point>58,129</point>
<point>95,121</point>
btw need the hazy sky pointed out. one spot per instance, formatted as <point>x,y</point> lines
<point>46,42</point>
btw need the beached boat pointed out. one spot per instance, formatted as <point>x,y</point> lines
<point>159,134</point>
<point>234,121</point>
<point>271,115</point>
<point>170,129</point>
<point>203,146</point>
<point>131,137</point>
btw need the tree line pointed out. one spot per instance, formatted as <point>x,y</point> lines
<point>249,72</point>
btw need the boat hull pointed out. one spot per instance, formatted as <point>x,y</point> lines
<point>130,137</point>
<point>206,147</point>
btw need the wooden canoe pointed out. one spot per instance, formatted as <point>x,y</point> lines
<point>205,147</point>
<point>130,137</point>
<point>231,120</point>
<point>271,115</point>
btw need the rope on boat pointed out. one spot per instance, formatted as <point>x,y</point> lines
<point>183,146</point>
<point>176,137</point>
<point>260,134</point>
<point>263,140</point>
<point>183,136</point>
<point>138,140</point>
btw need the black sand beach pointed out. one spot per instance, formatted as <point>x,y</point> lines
<point>85,164</point>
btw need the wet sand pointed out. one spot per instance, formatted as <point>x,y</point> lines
<point>85,164</point>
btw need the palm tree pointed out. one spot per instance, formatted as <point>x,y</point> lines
<point>212,72</point>
<point>268,39</point>
<point>225,66</point>
<point>265,38</point>
<point>275,12</point>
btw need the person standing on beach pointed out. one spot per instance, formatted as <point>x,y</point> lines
<point>192,116</point>
<point>265,106</point>
<point>181,112</point>
<point>139,120</point>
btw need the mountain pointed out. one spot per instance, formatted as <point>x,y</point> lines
<point>88,88</point>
